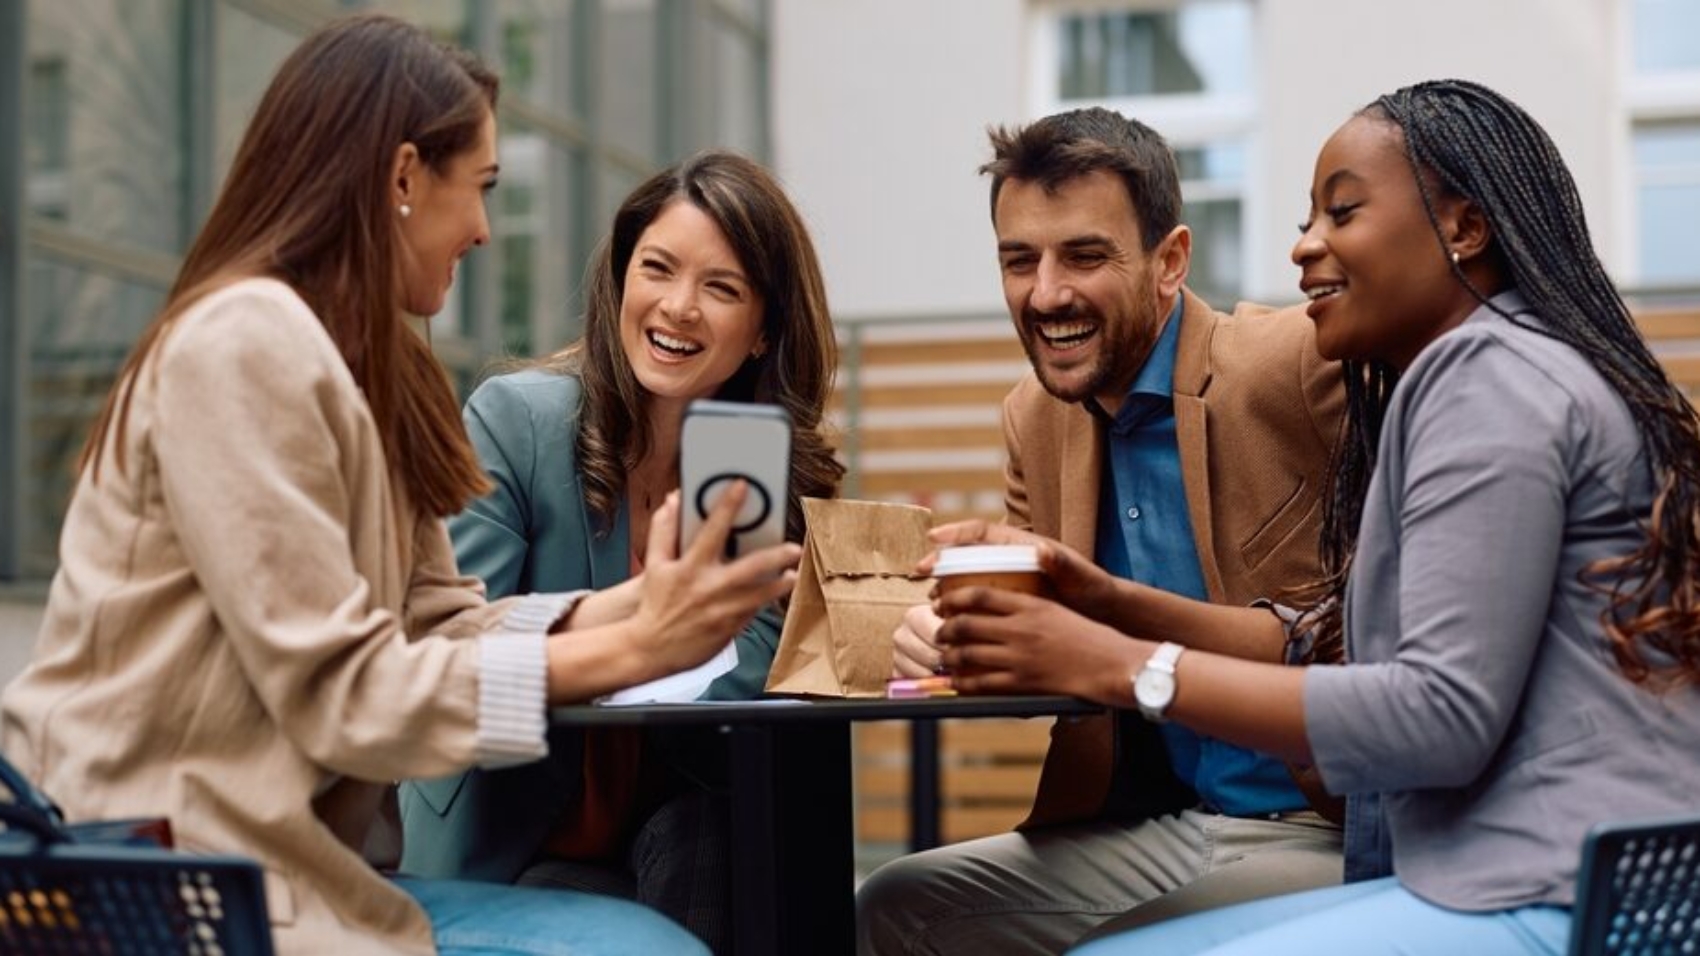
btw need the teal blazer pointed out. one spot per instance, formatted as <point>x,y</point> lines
<point>534,532</point>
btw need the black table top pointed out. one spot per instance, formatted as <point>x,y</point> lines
<point>792,710</point>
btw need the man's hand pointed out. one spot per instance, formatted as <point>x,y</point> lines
<point>1073,580</point>
<point>913,653</point>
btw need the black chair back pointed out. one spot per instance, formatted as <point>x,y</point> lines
<point>1638,890</point>
<point>58,895</point>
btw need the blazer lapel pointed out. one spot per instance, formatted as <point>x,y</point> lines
<point>1192,379</point>
<point>610,554</point>
<point>1083,453</point>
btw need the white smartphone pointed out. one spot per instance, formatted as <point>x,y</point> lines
<point>721,442</point>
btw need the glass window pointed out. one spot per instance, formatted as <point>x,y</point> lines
<point>1198,55</point>
<point>537,52</point>
<point>107,124</point>
<point>447,20</point>
<point>731,101</point>
<point>47,137</point>
<point>628,105</point>
<point>1667,171</point>
<point>753,10</point>
<point>1215,165</point>
<point>1667,36</point>
<point>531,218</point>
<point>1212,179</point>
<point>81,325</point>
<point>105,150</point>
<point>613,186</point>
<point>1197,48</point>
<point>247,52</point>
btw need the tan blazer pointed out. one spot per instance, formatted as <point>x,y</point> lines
<point>1257,413</point>
<point>251,630</point>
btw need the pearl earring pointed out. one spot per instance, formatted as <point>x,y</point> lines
<point>407,210</point>
<point>1455,257</point>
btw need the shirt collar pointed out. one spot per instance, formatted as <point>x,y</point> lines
<point>1155,383</point>
<point>1157,376</point>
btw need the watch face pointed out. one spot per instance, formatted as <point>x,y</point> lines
<point>1154,689</point>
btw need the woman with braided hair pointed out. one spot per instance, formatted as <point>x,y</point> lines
<point>1512,547</point>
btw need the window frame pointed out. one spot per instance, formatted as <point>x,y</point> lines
<point>1185,120</point>
<point>1653,98</point>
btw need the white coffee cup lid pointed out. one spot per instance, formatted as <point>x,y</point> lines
<point>982,558</point>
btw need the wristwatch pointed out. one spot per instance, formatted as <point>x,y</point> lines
<point>1154,686</point>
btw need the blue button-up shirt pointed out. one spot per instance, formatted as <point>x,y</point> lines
<point>1145,535</point>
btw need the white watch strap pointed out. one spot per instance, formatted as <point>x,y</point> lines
<point>1167,655</point>
<point>1162,661</point>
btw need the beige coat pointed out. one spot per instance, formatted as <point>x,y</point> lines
<point>251,629</point>
<point>1257,412</point>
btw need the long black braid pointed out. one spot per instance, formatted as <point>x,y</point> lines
<point>1369,386</point>
<point>1481,146</point>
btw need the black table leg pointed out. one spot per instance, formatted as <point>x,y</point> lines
<point>923,785</point>
<point>793,857</point>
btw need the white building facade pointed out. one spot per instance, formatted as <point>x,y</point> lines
<point>880,110</point>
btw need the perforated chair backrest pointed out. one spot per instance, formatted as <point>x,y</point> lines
<point>130,901</point>
<point>1638,890</point>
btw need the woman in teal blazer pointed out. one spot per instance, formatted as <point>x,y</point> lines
<point>708,287</point>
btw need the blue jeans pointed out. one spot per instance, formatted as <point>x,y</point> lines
<point>490,919</point>
<point>1377,918</point>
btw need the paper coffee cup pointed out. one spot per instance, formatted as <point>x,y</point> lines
<point>1010,567</point>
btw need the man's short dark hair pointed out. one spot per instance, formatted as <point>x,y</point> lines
<point>1063,146</point>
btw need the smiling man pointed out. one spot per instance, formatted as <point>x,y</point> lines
<point>1182,448</point>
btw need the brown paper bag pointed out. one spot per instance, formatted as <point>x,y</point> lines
<point>856,580</point>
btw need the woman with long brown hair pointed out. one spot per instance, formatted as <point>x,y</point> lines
<point>257,620</point>
<point>1515,551</point>
<point>707,287</point>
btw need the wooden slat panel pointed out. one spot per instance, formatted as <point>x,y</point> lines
<point>883,783</point>
<point>964,823</point>
<point>1671,324</point>
<point>978,785</point>
<point>887,483</point>
<point>942,352</point>
<point>927,396</point>
<point>995,736</point>
<point>883,824</point>
<point>1683,369</point>
<point>946,517</point>
<point>909,439</point>
<point>891,824</point>
<point>1014,783</point>
<point>882,736</point>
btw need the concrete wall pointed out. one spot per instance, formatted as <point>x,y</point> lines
<point>881,108</point>
<point>880,111</point>
<point>1323,59</point>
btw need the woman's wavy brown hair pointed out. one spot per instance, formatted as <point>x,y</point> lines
<point>796,372</point>
<point>308,201</point>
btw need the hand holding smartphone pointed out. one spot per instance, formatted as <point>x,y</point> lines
<point>721,442</point>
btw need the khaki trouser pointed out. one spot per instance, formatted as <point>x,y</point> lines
<point>1039,892</point>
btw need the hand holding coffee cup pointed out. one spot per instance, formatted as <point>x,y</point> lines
<point>1006,567</point>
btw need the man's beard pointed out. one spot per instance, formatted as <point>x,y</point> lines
<point>1121,349</point>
